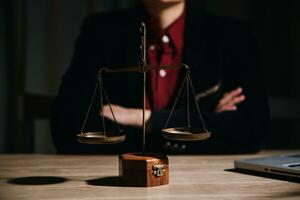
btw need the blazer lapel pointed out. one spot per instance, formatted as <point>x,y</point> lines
<point>201,52</point>
<point>131,55</point>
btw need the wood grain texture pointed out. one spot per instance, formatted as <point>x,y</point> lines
<point>95,177</point>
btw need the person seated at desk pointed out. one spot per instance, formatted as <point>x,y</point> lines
<point>223,59</point>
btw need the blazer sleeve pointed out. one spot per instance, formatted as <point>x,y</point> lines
<point>75,92</point>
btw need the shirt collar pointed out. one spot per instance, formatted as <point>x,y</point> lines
<point>174,31</point>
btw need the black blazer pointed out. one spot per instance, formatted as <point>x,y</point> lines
<point>218,51</point>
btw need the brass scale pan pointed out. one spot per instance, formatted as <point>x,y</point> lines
<point>185,134</point>
<point>99,137</point>
<point>102,137</point>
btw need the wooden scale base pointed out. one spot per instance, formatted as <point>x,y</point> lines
<point>143,170</point>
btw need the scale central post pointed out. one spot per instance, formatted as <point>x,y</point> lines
<point>144,64</point>
<point>148,169</point>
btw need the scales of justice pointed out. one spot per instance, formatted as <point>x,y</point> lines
<point>144,169</point>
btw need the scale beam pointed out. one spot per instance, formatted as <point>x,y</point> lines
<point>139,69</point>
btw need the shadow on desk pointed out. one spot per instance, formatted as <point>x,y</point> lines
<point>36,180</point>
<point>113,181</point>
<point>105,181</point>
<point>265,175</point>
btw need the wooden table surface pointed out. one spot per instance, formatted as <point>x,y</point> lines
<point>95,177</point>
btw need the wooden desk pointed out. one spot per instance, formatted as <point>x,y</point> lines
<point>95,177</point>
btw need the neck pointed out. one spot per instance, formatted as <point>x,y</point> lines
<point>165,13</point>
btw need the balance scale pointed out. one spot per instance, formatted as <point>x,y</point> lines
<point>144,169</point>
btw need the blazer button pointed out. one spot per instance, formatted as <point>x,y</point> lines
<point>175,147</point>
<point>182,148</point>
<point>168,146</point>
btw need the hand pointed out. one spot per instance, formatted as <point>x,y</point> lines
<point>126,116</point>
<point>230,100</point>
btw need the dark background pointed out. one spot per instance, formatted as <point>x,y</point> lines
<point>37,39</point>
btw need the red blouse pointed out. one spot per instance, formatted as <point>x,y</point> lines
<point>164,48</point>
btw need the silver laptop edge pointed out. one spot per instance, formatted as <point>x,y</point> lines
<point>288,165</point>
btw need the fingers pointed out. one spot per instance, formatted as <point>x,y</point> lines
<point>230,100</point>
<point>230,95</point>
<point>226,108</point>
<point>236,100</point>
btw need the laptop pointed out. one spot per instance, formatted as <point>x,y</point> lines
<point>287,165</point>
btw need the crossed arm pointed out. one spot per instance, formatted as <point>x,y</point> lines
<point>133,116</point>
